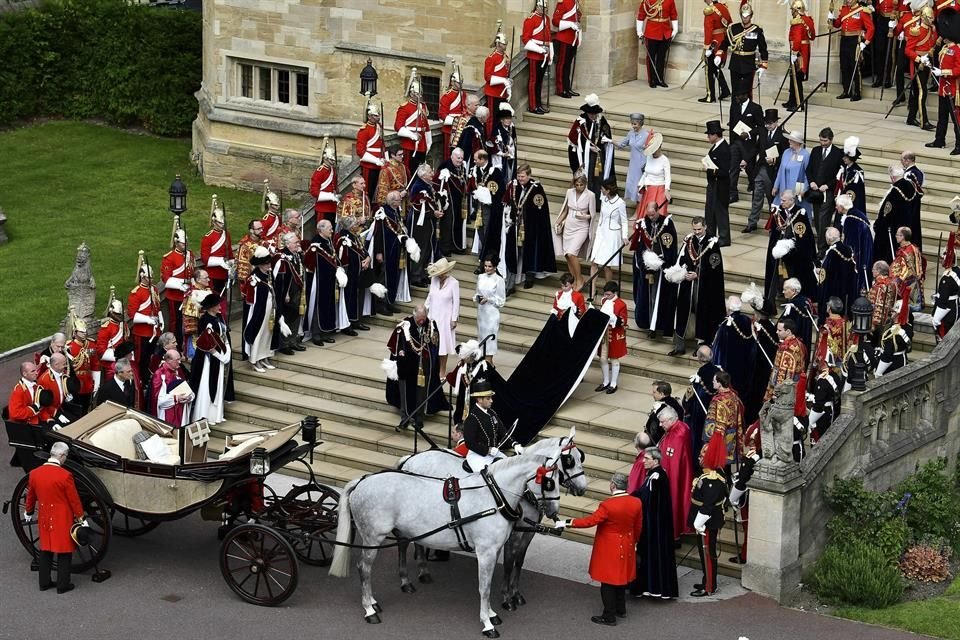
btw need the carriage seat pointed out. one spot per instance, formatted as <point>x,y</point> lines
<point>118,438</point>
<point>245,447</point>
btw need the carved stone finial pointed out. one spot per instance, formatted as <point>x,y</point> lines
<point>776,422</point>
<point>82,288</point>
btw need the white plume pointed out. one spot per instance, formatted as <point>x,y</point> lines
<point>675,274</point>
<point>378,290</point>
<point>413,249</point>
<point>592,100</point>
<point>652,261</point>
<point>390,368</point>
<point>482,195</point>
<point>341,277</point>
<point>468,348</point>
<point>284,328</point>
<point>752,296</point>
<point>782,248</point>
<point>850,145</point>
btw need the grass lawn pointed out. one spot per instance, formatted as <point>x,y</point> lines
<point>64,183</point>
<point>936,617</point>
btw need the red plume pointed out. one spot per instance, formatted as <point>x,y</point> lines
<point>904,314</point>
<point>820,357</point>
<point>715,456</point>
<point>800,404</point>
<point>950,257</point>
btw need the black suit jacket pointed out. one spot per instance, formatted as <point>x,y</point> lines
<point>718,180</point>
<point>766,141</point>
<point>824,170</point>
<point>753,114</point>
<point>109,390</point>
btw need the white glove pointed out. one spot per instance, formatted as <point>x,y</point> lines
<point>701,530</point>
<point>863,45</point>
<point>381,162</point>
<point>892,24</point>
<point>561,524</point>
<point>337,197</point>
<point>695,378</point>
<point>707,53</point>
<point>793,58</point>
<point>184,287</point>
<point>760,72</point>
<point>518,448</point>
<point>493,451</point>
<point>830,15</point>
<point>717,61</point>
<point>675,27</point>
<point>84,523</point>
<point>925,60</point>
<point>901,37</point>
<point>639,28</point>
<point>937,71</point>
<point>27,517</point>
<point>509,83</point>
<point>576,27</point>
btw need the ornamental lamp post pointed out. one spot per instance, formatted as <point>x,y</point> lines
<point>862,312</point>
<point>368,80</point>
<point>310,429</point>
<point>178,196</point>
<point>259,463</point>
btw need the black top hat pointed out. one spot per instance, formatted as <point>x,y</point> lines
<point>714,127</point>
<point>948,24</point>
<point>770,116</point>
<point>212,300</point>
<point>123,350</point>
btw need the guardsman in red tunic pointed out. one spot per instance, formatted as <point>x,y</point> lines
<point>921,41</point>
<point>453,103</point>
<point>539,47</point>
<point>802,33</point>
<point>496,74</point>
<point>909,16</point>
<point>791,359</point>
<point>24,404</point>
<point>716,19</point>
<point>371,150</point>
<point>615,345</point>
<point>886,14</point>
<point>566,18</point>
<point>948,72</point>
<point>656,25</point>
<point>113,332</point>
<point>272,220</point>
<point>216,253</point>
<point>324,185</point>
<point>176,269</point>
<point>52,492</point>
<point>856,24</point>
<point>613,562</point>
<point>143,309</point>
<point>412,126</point>
<point>83,361</point>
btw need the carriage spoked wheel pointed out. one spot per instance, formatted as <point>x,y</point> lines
<point>98,513</point>
<point>131,526</point>
<point>309,518</point>
<point>259,564</point>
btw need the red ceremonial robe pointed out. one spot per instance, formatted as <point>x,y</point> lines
<point>678,463</point>
<point>51,489</point>
<point>619,520</point>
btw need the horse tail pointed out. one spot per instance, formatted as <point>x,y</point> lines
<point>340,565</point>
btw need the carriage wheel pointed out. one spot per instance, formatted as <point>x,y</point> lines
<point>310,513</point>
<point>259,564</point>
<point>131,526</point>
<point>98,515</point>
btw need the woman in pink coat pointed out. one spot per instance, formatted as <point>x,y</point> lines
<point>443,307</point>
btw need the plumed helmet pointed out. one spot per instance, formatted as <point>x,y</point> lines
<point>414,85</point>
<point>217,210</point>
<point>455,76</point>
<point>746,10</point>
<point>114,306</point>
<point>143,269</point>
<point>177,234</point>
<point>75,323</point>
<point>328,154</point>
<point>500,38</point>
<point>799,6</point>
<point>926,14</point>
<point>269,197</point>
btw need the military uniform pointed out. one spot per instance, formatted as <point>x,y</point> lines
<point>949,66</point>
<point>176,270</point>
<point>324,189</point>
<point>716,19</point>
<point>801,35</point>
<point>370,149</point>
<point>656,25</point>
<point>413,129</point>
<point>709,496</point>
<point>496,75</point>
<point>538,44</point>
<point>921,39</point>
<point>856,25</point>
<point>453,103</point>
<point>947,302</point>
<point>566,18</point>
<point>744,42</point>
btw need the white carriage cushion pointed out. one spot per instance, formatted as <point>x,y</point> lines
<point>138,439</point>
<point>245,447</point>
<point>117,437</point>
<point>158,450</point>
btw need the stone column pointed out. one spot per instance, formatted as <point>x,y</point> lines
<point>773,557</point>
<point>608,55</point>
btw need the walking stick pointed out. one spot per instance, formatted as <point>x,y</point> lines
<point>886,67</point>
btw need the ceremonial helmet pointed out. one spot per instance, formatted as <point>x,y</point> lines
<point>75,323</point>
<point>799,6</point>
<point>177,234</point>
<point>746,10</point>
<point>269,197</point>
<point>540,4</point>
<point>927,15</point>
<point>329,156</point>
<point>500,38</point>
<point>414,85</point>
<point>144,270</point>
<point>371,108</point>
<point>456,77</point>
<point>114,306</point>
<point>217,210</point>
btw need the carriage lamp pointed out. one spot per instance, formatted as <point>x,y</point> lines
<point>310,428</point>
<point>368,79</point>
<point>178,196</point>
<point>259,463</point>
<point>862,312</point>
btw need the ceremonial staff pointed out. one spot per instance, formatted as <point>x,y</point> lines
<point>513,42</point>
<point>886,67</point>
<point>826,79</point>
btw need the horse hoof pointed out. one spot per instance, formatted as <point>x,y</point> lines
<point>496,620</point>
<point>426,579</point>
<point>372,619</point>
<point>377,607</point>
<point>408,588</point>
<point>519,600</point>
<point>508,605</point>
<point>492,633</point>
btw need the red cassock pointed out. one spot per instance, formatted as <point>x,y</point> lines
<point>802,33</point>
<point>677,462</point>
<point>144,301</point>
<point>715,28</point>
<point>176,269</point>
<point>370,146</point>
<point>23,406</point>
<point>52,492</point>
<point>496,65</point>
<point>216,244</point>
<point>323,187</point>
<point>657,16</point>
<point>415,122</point>
<point>619,520</point>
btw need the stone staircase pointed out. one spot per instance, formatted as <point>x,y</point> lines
<point>343,384</point>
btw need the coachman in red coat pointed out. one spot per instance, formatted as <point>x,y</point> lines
<point>613,562</point>
<point>52,492</point>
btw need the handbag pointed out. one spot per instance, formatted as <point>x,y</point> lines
<point>561,219</point>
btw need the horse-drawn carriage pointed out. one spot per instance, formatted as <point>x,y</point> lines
<point>134,472</point>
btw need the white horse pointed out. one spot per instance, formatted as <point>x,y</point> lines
<point>442,463</point>
<point>413,507</point>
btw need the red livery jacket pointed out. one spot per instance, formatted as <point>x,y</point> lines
<point>657,16</point>
<point>215,250</point>
<point>370,146</point>
<point>536,34</point>
<point>855,21</point>
<point>619,521</point>
<point>52,491</point>
<point>176,269</point>
<point>575,297</point>
<point>144,303</point>
<point>452,104</point>
<point>323,187</point>
<point>715,26</point>
<point>58,387</point>
<point>802,33</point>
<point>566,14</point>
<point>24,404</point>
<point>415,122</point>
<point>496,65</point>
<point>617,333</point>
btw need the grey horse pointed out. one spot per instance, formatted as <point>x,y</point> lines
<point>442,463</point>
<point>413,507</point>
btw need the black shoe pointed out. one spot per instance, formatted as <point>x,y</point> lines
<point>928,127</point>
<point>534,112</point>
<point>876,85</point>
<point>539,111</point>
<point>698,586</point>
<point>511,291</point>
<point>287,351</point>
<point>564,94</point>
<point>750,228</point>
<point>705,99</point>
<point>45,588</point>
<point>573,93</point>
<point>899,102</point>
<point>318,341</point>
<point>955,152</point>
<point>395,309</point>
<point>735,560</point>
<point>610,622</point>
<point>384,310</point>
<point>856,99</point>
<point>699,593</point>
<point>601,387</point>
<point>349,332</point>
<point>676,352</point>
<point>528,283</point>
<point>298,347</point>
<point>478,270</point>
<point>652,335</point>
<point>913,123</point>
<point>621,614</point>
<point>329,339</point>
<point>888,85</point>
<point>663,84</point>
<point>843,96</point>
<point>359,326</point>
<point>733,199</point>
<point>611,390</point>
<point>69,587</point>
<point>935,145</point>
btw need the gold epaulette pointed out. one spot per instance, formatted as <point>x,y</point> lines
<point>134,290</point>
<point>168,253</point>
<point>104,322</point>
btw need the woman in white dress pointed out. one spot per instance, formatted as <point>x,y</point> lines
<point>491,294</point>
<point>575,225</point>
<point>654,185</point>
<point>612,231</point>
<point>443,307</point>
